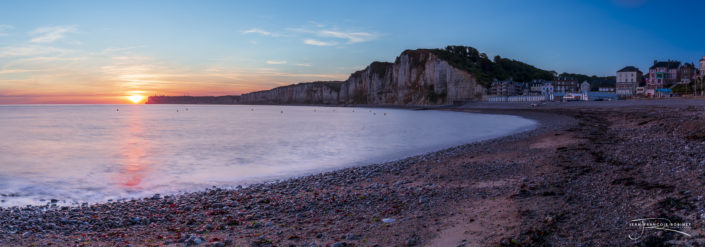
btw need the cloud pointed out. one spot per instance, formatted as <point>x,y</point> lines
<point>316,24</point>
<point>13,71</point>
<point>276,62</point>
<point>51,59</point>
<point>262,32</point>
<point>319,43</point>
<point>352,37</point>
<point>51,34</point>
<point>303,64</point>
<point>346,37</point>
<point>112,50</point>
<point>30,50</point>
<point>5,27</point>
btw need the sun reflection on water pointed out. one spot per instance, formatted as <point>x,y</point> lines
<point>134,167</point>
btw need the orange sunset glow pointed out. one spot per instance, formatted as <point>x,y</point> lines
<point>135,98</point>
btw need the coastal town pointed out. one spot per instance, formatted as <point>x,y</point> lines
<point>664,79</point>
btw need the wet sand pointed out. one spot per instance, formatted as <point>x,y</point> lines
<point>577,180</point>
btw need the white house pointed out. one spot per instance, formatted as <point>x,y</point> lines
<point>628,79</point>
<point>585,87</point>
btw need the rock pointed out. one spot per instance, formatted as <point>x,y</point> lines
<point>253,225</point>
<point>183,239</point>
<point>135,220</point>
<point>413,241</point>
<point>156,197</point>
<point>193,240</point>
<point>339,244</point>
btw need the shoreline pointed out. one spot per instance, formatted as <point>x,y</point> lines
<point>535,187</point>
<point>47,202</point>
<point>543,123</point>
<point>277,179</point>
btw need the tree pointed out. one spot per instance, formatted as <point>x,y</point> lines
<point>486,70</point>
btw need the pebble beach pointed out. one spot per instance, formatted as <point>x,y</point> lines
<point>577,180</point>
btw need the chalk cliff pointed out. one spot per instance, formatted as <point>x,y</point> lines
<point>417,77</point>
<point>301,93</point>
<point>227,99</point>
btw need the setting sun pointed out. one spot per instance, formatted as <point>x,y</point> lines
<point>135,98</point>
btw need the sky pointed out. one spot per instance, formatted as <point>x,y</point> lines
<point>103,51</point>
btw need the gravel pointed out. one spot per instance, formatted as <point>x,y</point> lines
<point>633,161</point>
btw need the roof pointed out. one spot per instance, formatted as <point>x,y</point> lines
<point>690,65</point>
<point>668,64</point>
<point>629,69</point>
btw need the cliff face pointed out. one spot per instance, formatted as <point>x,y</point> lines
<point>417,77</point>
<point>302,93</point>
<point>228,99</point>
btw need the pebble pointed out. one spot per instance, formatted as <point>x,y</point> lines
<point>288,208</point>
<point>339,244</point>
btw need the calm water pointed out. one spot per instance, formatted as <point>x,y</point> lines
<point>93,153</point>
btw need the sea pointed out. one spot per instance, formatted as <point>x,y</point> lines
<point>75,154</point>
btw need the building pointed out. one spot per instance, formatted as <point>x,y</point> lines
<point>628,79</point>
<point>566,85</point>
<point>585,87</point>
<point>702,67</point>
<point>523,88</point>
<point>504,88</point>
<point>536,85</point>
<point>547,91</point>
<point>687,73</point>
<point>663,74</point>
